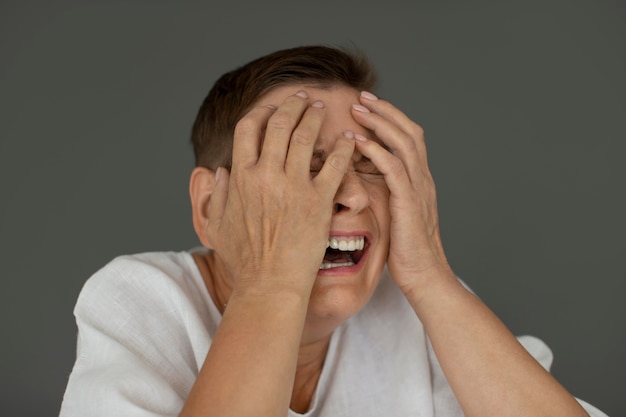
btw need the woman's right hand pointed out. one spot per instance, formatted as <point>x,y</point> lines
<point>268,219</point>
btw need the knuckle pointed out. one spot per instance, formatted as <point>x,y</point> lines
<point>303,137</point>
<point>259,175</point>
<point>246,126</point>
<point>338,162</point>
<point>280,120</point>
<point>417,130</point>
<point>266,179</point>
<point>396,167</point>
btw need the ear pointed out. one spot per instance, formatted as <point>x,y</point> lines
<point>201,186</point>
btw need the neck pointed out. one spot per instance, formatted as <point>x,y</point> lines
<point>213,272</point>
<point>310,364</point>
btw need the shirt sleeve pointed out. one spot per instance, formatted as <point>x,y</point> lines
<point>131,357</point>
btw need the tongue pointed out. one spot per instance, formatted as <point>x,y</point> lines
<point>335,256</point>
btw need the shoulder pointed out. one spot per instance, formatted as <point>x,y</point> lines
<point>153,266</point>
<point>146,273</point>
<point>141,285</point>
<point>149,303</point>
<point>142,329</point>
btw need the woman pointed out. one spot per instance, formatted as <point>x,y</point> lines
<point>322,288</point>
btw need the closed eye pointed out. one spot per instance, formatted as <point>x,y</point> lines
<point>366,166</point>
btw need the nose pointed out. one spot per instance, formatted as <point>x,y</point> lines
<point>351,197</point>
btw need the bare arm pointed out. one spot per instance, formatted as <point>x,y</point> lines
<point>268,220</point>
<point>490,373</point>
<point>250,367</point>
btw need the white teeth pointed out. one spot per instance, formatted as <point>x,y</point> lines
<point>337,265</point>
<point>344,244</point>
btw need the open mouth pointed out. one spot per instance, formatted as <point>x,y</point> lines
<point>344,251</point>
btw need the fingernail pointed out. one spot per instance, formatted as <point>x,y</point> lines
<point>360,138</point>
<point>368,96</point>
<point>360,108</point>
<point>349,134</point>
<point>318,104</point>
<point>218,174</point>
<point>302,94</point>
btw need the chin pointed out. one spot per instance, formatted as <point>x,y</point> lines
<point>339,296</point>
<point>342,290</point>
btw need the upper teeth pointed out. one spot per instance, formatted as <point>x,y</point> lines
<point>347,243</point>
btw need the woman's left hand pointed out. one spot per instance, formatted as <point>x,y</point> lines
<point>483,362</point>
<point>416,253</point>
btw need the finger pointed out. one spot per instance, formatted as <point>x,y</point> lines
<point>388,111</point>
<point>400,143</point>
<point>392,167</point>
<point>219,197</point>
<point>303,139</point>
<point>335,166</point>
<point>279,128</point>
<point>397,117</point>
<point>247,136</point>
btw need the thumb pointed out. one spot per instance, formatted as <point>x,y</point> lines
<point>219,196</point>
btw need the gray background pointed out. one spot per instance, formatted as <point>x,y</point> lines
<point>523,104</point>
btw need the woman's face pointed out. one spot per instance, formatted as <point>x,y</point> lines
<point>359,232</point>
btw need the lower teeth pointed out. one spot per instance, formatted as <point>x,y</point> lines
<point>337,265</point>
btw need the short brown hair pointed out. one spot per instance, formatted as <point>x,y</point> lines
<point>236,91</point>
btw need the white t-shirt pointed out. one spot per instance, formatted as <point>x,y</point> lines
<point>146,322</point>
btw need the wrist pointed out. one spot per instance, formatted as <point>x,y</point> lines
<point>267,286</point>
<point>428,283</point>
